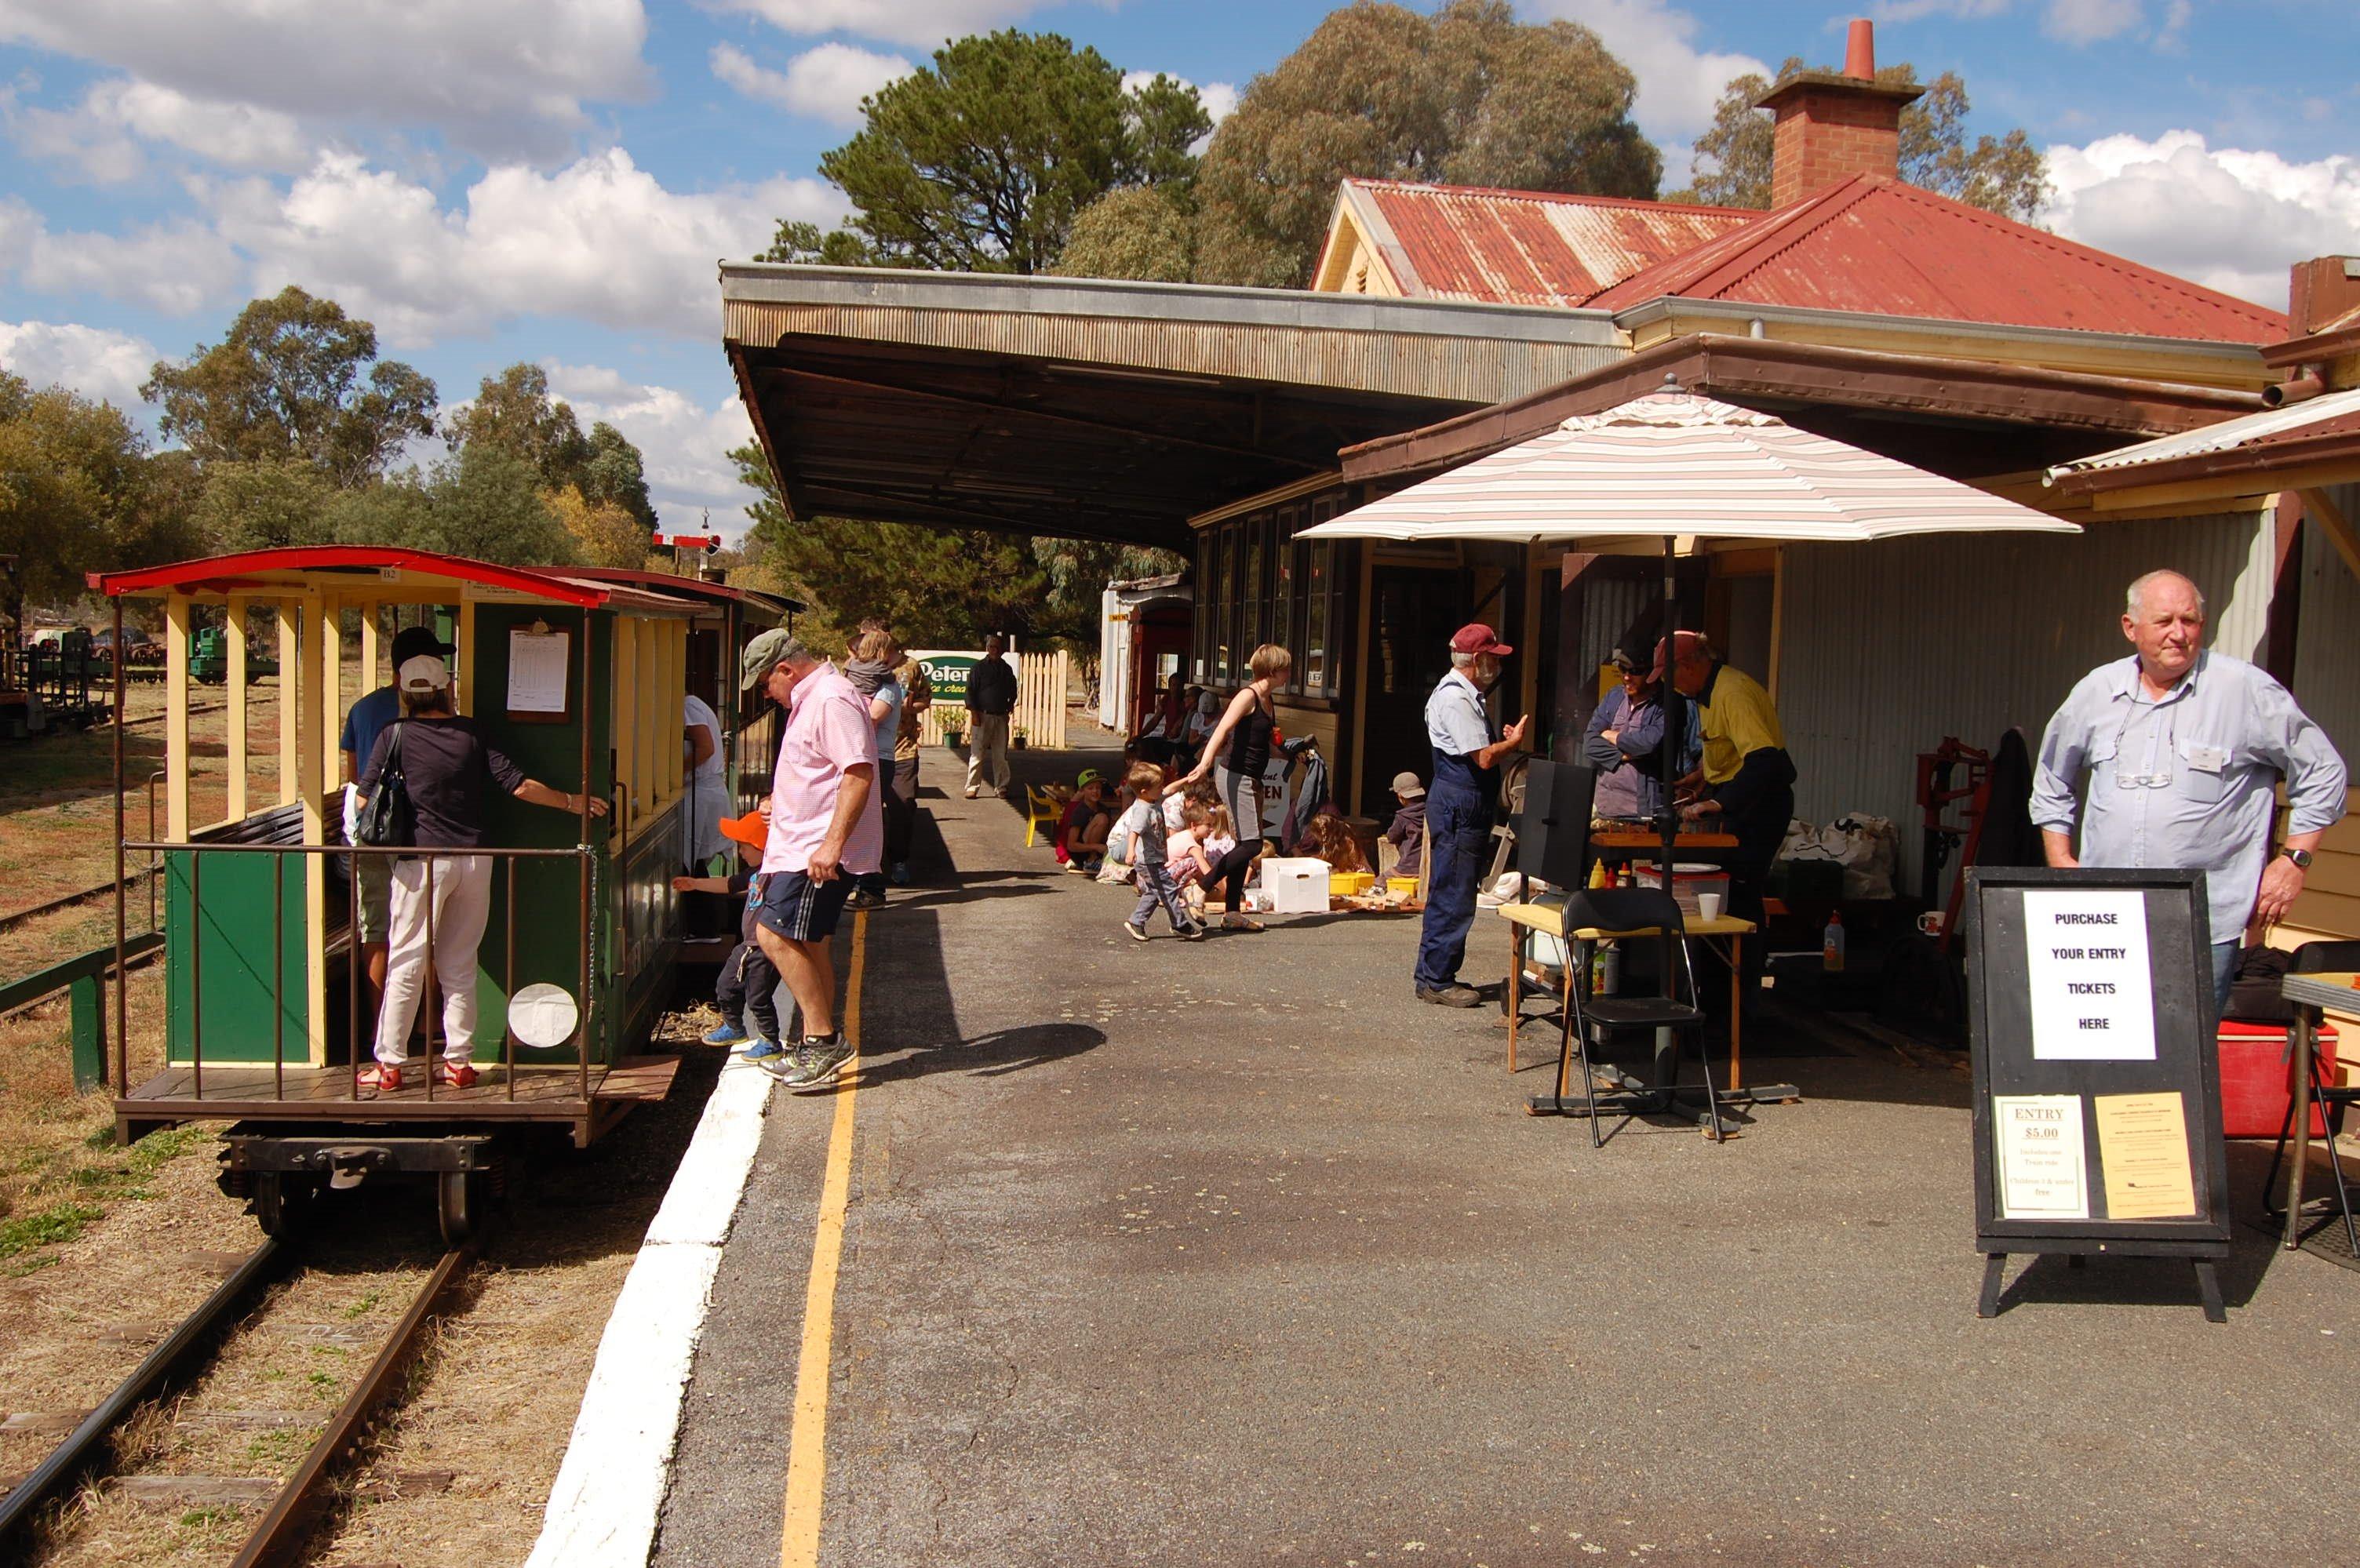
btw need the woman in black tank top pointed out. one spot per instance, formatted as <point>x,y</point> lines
<point>1236,752</point>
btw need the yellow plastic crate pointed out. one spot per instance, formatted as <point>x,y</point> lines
<point>1346,884</point>
<point>1406,886</point>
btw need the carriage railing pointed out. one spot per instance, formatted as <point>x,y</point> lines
<point>357,967</point>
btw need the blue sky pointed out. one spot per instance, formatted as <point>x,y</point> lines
<point>495,180</point>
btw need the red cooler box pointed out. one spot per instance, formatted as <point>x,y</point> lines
<point>2257,1078</point>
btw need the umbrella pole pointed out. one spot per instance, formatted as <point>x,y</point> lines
<point>1667,814</point>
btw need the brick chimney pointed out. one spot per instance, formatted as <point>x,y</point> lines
<point>1831,126</point>
<point>2323,292</point>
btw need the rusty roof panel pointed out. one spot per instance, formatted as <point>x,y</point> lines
<point>1524,247</point>
<point>1878,246</point>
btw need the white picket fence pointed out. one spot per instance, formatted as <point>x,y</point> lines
<point>1039,702</point>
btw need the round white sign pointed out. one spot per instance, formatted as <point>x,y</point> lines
<point>542,1016</point>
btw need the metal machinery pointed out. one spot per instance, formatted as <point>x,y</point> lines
<point>576,675</point>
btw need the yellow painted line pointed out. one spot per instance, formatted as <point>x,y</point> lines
<point>807,1438</point>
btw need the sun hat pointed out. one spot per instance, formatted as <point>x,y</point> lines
<point>1406,784</point>
<point>750,830</point>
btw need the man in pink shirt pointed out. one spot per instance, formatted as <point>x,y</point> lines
<point>825,829</point>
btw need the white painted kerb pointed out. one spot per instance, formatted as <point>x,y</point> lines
<point>602,1509</point>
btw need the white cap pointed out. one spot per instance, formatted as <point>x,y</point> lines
<point>424,673</point>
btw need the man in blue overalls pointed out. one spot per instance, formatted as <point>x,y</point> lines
<point>1459,807</point>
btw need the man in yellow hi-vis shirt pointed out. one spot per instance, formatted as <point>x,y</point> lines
<point>1745,785</point>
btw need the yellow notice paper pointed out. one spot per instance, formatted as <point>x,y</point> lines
<point>2143,1149</point>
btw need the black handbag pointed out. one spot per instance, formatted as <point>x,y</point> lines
<point>388,820</point>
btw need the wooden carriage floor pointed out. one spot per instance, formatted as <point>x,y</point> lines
<point>251,1089</point>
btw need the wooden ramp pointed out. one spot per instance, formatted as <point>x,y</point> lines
<point>245,1092</point>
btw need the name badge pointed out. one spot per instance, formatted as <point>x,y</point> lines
<point>2206,759</point>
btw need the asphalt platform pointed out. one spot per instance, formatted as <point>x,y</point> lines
<point>1235,1253</point>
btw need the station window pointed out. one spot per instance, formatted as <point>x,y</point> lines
<point>1258,582</point>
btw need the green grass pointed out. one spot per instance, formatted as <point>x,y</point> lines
<point>52,1226</point>
<point>86,1187</point>
<point>363,1307</point>
<point>283,1446</point>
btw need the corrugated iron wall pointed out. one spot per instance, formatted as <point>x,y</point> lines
<point>1889,648</point>
<point>2327,643</point>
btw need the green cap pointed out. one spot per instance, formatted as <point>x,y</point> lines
<point>1090,777</point>
<point>762,655</point>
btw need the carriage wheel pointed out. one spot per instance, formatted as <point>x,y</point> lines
<point>279,1203</point>
<point>458,1203</point>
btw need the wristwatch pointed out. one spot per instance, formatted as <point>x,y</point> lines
<point>2302,858</point>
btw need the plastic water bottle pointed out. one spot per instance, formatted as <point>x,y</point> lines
<point>1832,944</point>
<point>1606,970</point>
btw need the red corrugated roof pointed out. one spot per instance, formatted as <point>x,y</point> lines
<point>1874,244</point>
<point>1529,247</point>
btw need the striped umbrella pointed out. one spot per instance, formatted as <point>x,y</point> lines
<point>1672,463</point>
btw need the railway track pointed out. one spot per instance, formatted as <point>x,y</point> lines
<point>298,1505</point>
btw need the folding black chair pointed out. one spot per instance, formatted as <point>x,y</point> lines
<point>2333,1099</point>
<point>1625,912</point>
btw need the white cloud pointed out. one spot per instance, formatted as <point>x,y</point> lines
<point>1678,84</point>
<point>926,23</point>
<point>600,240</point>
<point>506,77</point>
<point>826,83</point>
<point>685,444</point>
<point>2090,21</point>
<point>176,268</point>
<point>2231,219</point>
<point>97,362</point>
<point>102,136</point>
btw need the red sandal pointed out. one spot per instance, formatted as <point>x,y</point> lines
<point>384,1078</point>
<point>458,1074</point>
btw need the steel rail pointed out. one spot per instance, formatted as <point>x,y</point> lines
<point>165,1368</point>
<point>285,1532</point>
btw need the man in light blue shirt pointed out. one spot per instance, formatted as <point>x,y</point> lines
<point>2182,749</point>
<point>1467,755</point>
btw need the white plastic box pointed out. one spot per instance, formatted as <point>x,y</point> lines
<point>1295,886</point>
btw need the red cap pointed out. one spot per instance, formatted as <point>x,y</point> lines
<point>750,830</point>
<point>1477,638</point>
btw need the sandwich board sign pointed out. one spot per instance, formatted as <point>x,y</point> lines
<point>2097,1082</point>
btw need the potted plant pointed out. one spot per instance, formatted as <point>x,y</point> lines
<point>955,733</point>
<point>1016,738</point>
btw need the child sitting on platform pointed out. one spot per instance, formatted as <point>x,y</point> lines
<point>1329,837</point>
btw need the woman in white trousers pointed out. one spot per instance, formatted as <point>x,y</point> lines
<point>441,901</point>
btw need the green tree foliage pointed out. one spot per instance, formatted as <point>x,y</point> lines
<point>614,474</point>
<point>265,504</point>
<point>514,409</point>
<point>1466,96</point>
<point>980,162</point>
<point>295,379</point>
<point>79,492</point>
<point>1078,572</point>
<point>2006,175</point>
<point>515,413</point>
<point>489,503</point>
<point>1141,231</point>
<point>935,587</point>
<point>803,243</point>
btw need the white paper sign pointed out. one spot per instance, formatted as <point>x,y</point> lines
<point>2086,961</point>
<point>537,662</point>
<point>2043,1174</point>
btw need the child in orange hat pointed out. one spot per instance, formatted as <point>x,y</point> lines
<point>748,981</point>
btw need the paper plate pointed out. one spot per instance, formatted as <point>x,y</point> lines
<point>542,1016</point>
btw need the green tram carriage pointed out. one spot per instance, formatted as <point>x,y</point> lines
<point>576,674</point>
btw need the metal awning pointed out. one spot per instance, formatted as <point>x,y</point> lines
<point>1100,409</point>
<point>2251,450</point>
